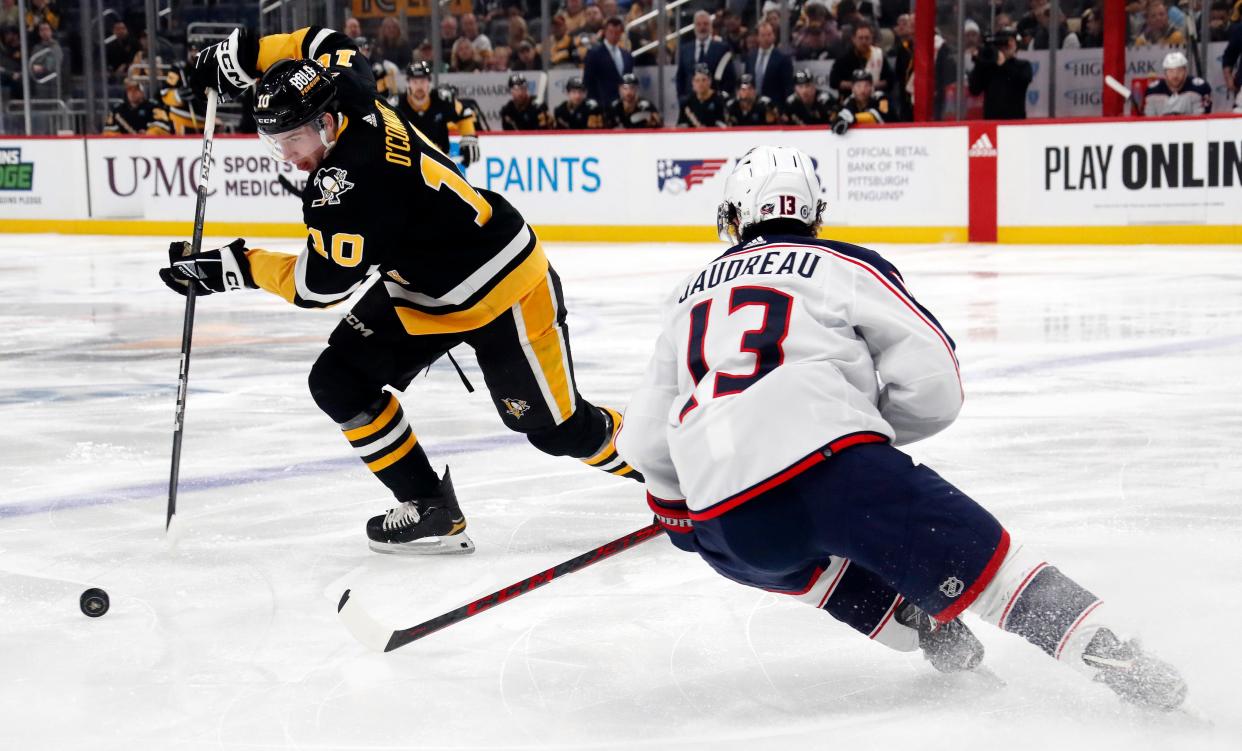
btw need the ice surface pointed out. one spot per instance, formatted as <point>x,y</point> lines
<point>1102,425</point>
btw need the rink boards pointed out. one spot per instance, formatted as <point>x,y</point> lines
<point>1172,181</point>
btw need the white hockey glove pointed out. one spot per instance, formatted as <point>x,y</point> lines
<point>469,150</point>
<point>220,270</point>
<point>845,119</point>
<point>230,67</point>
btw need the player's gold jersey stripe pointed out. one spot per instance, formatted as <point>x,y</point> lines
<point>610,449</point>
<point>276,47</point>
<point>539,315</point>
<point>376,425</point>
<point>273,272</point>
<point>396,456</point>
<point>502,297</point>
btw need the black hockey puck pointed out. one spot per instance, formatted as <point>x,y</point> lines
<point>94,602</point>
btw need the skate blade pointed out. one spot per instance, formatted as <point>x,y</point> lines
<point>458,544</point>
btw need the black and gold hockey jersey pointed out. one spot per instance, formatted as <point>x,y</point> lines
<point>439,110</point>
<point>702,113</point>
<point>874,110</point>
<point>534,116</point>
<point>147,118</point>
<point>385,200</point>
<point>586,116</point>
<point>820,111</point>
<point>762,111</point>
<point>643,115</point>
<point>187,112</point>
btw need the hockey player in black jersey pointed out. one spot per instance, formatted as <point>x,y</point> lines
<point>432,110</point>
<point>522,111</point>
<point>865,105</point>
<point>747,108</point>
<point>808,105</point>
<point>705,107</point>
<point>136,115</point>
<point>629,110</point>
<point>456,264</point>
<point>577,112</point>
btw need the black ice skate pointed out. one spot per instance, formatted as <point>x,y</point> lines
<point>429,525</point>
<point>949,647</point>
<point>1132,674</point>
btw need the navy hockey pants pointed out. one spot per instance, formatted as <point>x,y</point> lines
<point>902,527</point>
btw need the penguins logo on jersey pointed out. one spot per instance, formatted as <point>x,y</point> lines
<point>515,407</point>
<point>331,183</point>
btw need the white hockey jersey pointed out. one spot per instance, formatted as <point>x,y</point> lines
<point>772,355</point>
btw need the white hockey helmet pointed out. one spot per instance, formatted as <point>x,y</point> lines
<point>1175,59</point>
<point>769,182</point>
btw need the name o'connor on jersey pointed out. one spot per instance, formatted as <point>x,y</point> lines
<point>774,262</point>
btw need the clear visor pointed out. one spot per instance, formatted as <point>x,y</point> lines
<point>296,145</point>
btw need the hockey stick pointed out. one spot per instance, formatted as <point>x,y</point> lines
<point>187,326</point>
<point>1120,88</point>
<point>376,636</point>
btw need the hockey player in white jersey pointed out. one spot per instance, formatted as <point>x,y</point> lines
<point>786,373</point>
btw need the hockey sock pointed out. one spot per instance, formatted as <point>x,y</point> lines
<point>384,441</point>
<point>606,457</point>
<point>861,600</point>
<point>1034,600</point>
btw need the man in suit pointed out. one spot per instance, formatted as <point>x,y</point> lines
<point>772,69</point>
<point>704,49</point>
<point>606,62</point>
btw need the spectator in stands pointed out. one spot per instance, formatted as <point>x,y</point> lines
<point>607,8</point>
<point>564,53</point>
<point>575,15</point>
<point>9,15</point>
<point>606,63</point>
<point>470,30</point>
<point>703,49</point>
<point>772,69</point>
<point>527,57</point>
<point>733,33</point>
<point>1177,93</point>
<point>424,53</point>
<point>808,105</point>
<point>41,11</point>
<point>1002,78</point>
<point>1218,22</point>
<point>1229,62</point>
<point>578,111</point>
<point>629,110</point>
<point>816,34</point>
<point>391,45</point>
<point>901,59</point>
<point>46,64</point>
<point>11,61</point>
<point>848,19</point>
<point>352,27</point>
<point>448,38</point>
<point>972,40</point>
<point>523,112</point>
<point>1158,30</point>
<point>747,108</point>
<point>705,107</point>
<point>463,58</point>
<point>861,54</point>
<point>1066,39</point>
<point>593,22</point>
<point>1091,32</point>
<point>644,32</point>
<point>500,60</point>
<point>517,32</point>
<point>119,52</point>
<point>135,115</point>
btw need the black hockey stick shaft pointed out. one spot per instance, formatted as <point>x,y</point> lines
<point>187,325</point>
<point>404,636</point>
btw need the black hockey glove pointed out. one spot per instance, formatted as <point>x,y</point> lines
<point>469,150</point>
<point>220,270</point>
<point>230,67</point>
<point>845,119</point>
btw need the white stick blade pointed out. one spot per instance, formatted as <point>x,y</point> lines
<point>360,623</point>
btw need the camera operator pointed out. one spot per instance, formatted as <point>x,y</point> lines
<point>1001,77</point>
